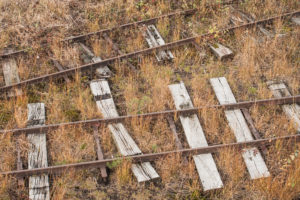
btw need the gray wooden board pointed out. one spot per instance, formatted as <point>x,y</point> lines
<point>100,71</point>
<point>125,144</point>
<point>11,75</point>
<point>37,154</point>
<point>221,51</point>
<point>293,110</point>
<point>296,20</point>
<point>154,39</point>
<point>205,164</point>
<point>252,157</point>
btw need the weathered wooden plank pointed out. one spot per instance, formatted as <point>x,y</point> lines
<point>37,154</point>
<point>238,17</point>
<point>116,48</point>
<point>205,164</point>
<point>100,71</point>
<point>99,152</point>
<point>154,39</point>
<point>125,144</point>
<point>11,75</point>
<point>60,68</point>
<point>296,20</point>
<point>252,157</point>
<point>293,110</point>
<point>221,51</point>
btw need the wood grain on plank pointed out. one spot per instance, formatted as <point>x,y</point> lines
<point>37,154</point>
<point>252,157</point>
<point>154,39</point>
<point>11,76</point>
<point>296,20</point>
<point>125,144</point>
<point>90,57</point>
<point>205,164</point>
<point>292,110</point>
<point>221,51</point>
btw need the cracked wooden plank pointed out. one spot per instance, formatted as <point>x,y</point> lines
<point>125,144</point>
<point>102,71</point>
<point>205,164</point>
<point>154,39</point>
<point>293,110</point>
<point>37,154</point>
<point>11,76</point>
<point>60,68</point>
<point>252,157</point>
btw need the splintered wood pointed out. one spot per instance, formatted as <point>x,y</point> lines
<point>252,157</point>
<point>154,39</point>
<point>11,76</point>
<point>125,144</point>
<point>205,164</point>
<point>89,56</point>
<point>293,110</point>
<point>37,154</point>
<point>221,51</point>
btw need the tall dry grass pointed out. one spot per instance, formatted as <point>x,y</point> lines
<point>28,23</point>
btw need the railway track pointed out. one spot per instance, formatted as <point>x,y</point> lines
<point>127,25</point>
<point>166,46</point>
<point>142,169</point>
<point>246,104</point>
<point>150,157</point>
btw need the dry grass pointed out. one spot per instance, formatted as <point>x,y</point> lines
<point>32,23</point>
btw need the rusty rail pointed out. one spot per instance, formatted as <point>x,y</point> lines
<point>167,46</point>
<point>148,157</point>
<point>245,104</point>
<point>127,25</point>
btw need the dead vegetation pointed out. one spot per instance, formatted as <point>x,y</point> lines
<point>31,24</point>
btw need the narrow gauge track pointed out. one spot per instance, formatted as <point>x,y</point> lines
<point>150,157</point>
<point>167,46</point>
<point>245,104</point>
<point>127,25</point>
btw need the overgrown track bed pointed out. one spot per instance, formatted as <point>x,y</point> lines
<point>167,46</point>
<point>154,109</point>
<point>246,104</point>
<point>152,157</point>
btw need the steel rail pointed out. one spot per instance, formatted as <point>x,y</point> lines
<point>5,55</point>
<point>244,104</point>
<point>146,21</point>
<point>167,46</point>
<point>130,25</point>
<point>108,30</point>
<point>149,157</point>
<point>127,25</point>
